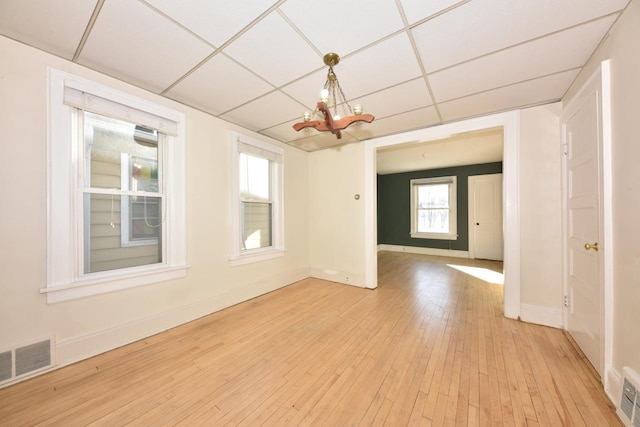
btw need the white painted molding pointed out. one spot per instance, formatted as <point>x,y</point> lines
<point>343,277</point>
<point>424,251</point>
<point>541,315</point>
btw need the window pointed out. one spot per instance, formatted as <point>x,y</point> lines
<point>433,208</point>
<point>115,188</point>
<point>256,205</point>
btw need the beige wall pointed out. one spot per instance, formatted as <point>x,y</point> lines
<point>86,326</point>
<point>540,208</point>
<point>622,47</point>
<point>336,218</point>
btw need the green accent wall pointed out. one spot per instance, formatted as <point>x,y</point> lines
<point>394,206</point>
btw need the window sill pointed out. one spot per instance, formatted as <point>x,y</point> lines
<point>109,283</point>
<point>435,236</point>
<point>257,256</point>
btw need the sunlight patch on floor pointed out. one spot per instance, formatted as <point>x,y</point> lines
<point>485,274</point>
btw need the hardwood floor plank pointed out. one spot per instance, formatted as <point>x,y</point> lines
<point>428,347</point>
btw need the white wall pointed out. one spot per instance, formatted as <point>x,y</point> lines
<point>91,325</point>
<point>541,215</point>
<point>623,49</point>
<point>336,218</point>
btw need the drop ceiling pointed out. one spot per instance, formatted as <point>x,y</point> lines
<point>258,63</point>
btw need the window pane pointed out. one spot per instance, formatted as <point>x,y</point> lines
<point>433,220</point>
<point>106,141</point>
<point>254,177</point>
<point>145,218</point>
<point>143,174</point>
<point>103,248</point>
<point>433,196</point>
<point>256,220</point>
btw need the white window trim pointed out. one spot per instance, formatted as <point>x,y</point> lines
<point>453,208</point>
<point>65,278</point>
<point>242,143</point>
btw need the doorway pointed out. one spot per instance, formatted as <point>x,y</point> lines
<point>509,122</point>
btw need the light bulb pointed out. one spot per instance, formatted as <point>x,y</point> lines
<point>306,116</point>
<point>337,117</point>
<point>357,109</point>
<point>324,95</point>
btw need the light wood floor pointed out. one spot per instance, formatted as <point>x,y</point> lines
<point>428,347</point>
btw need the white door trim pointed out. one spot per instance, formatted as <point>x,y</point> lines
<point>510,123</point>
<point>606,214</point>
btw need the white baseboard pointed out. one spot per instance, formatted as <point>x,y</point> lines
<point>613,386</point>
<point>72,350</point>
<point>344,277</point>
<point>541,315</point>
<point>424,251</point>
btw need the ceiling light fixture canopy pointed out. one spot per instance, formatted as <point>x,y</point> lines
<point>330,97</point>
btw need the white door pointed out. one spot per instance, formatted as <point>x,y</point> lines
<point>582,199</point>
<point>485,217</point>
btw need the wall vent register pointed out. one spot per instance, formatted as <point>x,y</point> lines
<point>629,408</point>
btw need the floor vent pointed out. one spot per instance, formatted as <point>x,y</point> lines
<point>22,361</point>
<point>629,408</point>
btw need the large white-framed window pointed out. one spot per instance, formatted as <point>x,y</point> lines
<point>257,200</point>
<point>115,187</point>
<point>434,208</point>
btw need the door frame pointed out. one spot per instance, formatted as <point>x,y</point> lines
<point>600,77</point>
<point>510,123</point>
<point>471,180</point>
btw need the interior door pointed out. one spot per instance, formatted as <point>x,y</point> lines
<point>485,214</point>
<point>583,275</point>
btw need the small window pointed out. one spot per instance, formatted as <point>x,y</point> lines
<point>433,208</point>
<point>256,205</point>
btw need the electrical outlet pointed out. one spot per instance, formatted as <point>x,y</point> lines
<point>346,278</point>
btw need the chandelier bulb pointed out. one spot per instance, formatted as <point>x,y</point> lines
<point>357,109</point>
<point>324,95</point>
<point>306,116</point>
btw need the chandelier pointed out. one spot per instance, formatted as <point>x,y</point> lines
<point>332,96</point>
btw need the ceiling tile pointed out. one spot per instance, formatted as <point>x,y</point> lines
<point>265,112</point>
<point>133,42</point>
<point>343,26</point>
<point>416,119</point>
<point>285,132</point>
<point>214,20</point>
<point>480,27</point>
<point>397,99</point>
<point>275,51</point>
<point>383,65</point>
<point>219,86</point>
<point>55,26</point>
<point>418,10</point>
<point>548,55</point>
<point>545,89</point>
